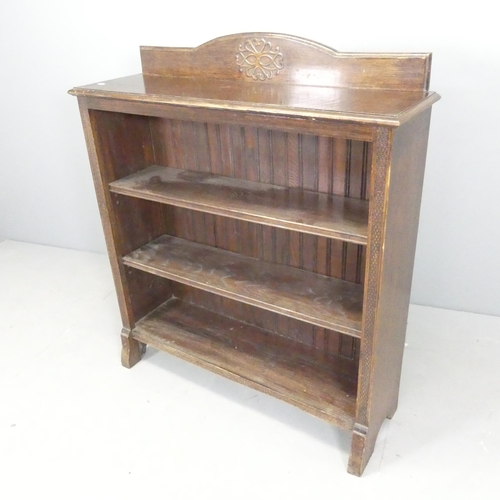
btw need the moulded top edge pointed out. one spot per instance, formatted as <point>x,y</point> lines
<point>371,106</point>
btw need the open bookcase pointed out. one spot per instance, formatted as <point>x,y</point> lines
<point>260,198</point>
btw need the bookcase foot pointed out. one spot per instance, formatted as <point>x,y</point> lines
<point>363,442</point>
<point>132,349</point>
<point>392,410</point>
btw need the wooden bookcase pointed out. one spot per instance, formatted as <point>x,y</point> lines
<point>260,199</point>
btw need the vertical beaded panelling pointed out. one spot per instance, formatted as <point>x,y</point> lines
<point>325,164</point>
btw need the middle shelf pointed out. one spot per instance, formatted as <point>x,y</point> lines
<point>289,208</point>
<point>317,299</point>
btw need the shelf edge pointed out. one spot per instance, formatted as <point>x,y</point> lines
<point>248,216</point>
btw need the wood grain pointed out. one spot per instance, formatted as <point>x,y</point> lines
<point>324,339</point>
<point>318,125</point>
<point>320,383</point>
<point>320,300</point>
<point>236,190</point>
<point>299,210</point>
<point>367,106</point>
<point>389,282</point>
<point>134,222</point>
<point>319,163</point>
<point>304,61</point>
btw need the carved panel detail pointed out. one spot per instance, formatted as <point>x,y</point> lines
<point>258,60</point>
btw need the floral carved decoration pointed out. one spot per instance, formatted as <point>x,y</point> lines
<point>257,59</point>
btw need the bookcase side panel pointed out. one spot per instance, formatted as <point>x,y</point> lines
<point>118,145</point>
<point>398,177</point>
<point>403,210</point>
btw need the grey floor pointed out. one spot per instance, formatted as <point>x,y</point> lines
<point>75,424</point>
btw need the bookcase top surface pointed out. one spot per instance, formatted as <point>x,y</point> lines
<point>278,74</point>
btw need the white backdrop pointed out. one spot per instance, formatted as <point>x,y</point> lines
<point>46,192</point>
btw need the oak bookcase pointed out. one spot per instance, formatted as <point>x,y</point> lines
<point>260,198</point>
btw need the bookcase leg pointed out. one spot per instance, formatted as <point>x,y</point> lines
<point>363,443</point>
<point>132,349</point>
<point>393,408</point>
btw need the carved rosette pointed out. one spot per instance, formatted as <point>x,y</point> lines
<point>258,60</point>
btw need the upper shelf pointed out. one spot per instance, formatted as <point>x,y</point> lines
<point>295,209</point>
<point>278,74</point>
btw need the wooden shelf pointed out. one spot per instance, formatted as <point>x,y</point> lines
<point>311,297</point>
<point>288,208</point>
<point>322,384</point>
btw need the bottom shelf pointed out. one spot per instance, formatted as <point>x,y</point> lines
<point>320,383</point>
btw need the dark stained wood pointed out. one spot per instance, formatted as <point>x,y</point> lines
<point>377,107</point>
<point>323,339</point>
<point>314,253</point>
<point>112,133</point>
<point>307,124</point>
<point>309,212</point>
<point>286,159</point>
<point>131,349</point>
<point>133,222</point>
<point>233,181</point>
<point>310,297</point>
<point>388,305</point>
<point>318,382</point>
<point>314,161</point>
<point>303,61</point>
